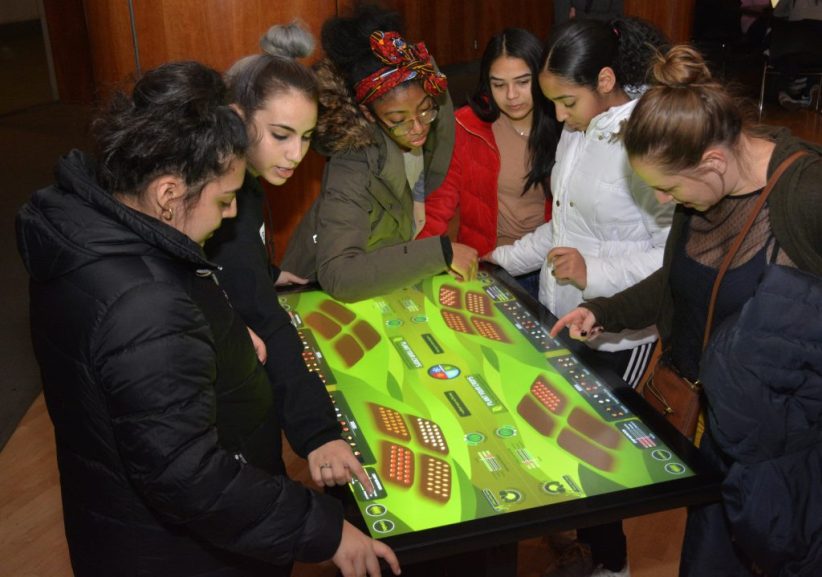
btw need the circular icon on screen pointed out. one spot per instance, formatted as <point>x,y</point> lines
<point>375,510</point>
<point>553,487</point>
<point>661,455</point>
<point>506,432</point>
<point>393,323</point>
<point>444,372</point>
<point>419,319</point>
<point>383,526</point>
<point>474,439</point>
<point>510,496</point>
<point>675,468</point>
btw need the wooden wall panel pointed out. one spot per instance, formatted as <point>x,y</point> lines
<point>289,202</point>
<point>674,18</point>
<point>534,15</point>
<point>449,29</point>
<point>110,43</point>
<point>70,51</point>
<point>216,32</point>
<point>457,31</point>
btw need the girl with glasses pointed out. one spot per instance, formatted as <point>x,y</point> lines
<point>387,124</point>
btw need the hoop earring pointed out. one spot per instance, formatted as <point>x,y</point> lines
<point>167,213</point>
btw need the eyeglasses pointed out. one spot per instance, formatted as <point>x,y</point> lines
<point>406,126</point>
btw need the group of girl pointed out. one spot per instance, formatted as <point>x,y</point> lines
<point>169,402</point>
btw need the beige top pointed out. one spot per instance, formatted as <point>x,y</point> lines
<point>414,166</point>
<point>518,214</point>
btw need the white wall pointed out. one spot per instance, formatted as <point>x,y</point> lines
<point>18,10</point>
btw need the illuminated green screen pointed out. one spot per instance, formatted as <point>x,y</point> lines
<point>461,406</point>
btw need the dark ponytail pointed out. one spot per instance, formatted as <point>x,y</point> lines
<point>578,49</point>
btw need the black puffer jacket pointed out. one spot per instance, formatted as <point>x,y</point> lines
<point>247,277</point>
<point>763,378</point>
<point>167,438</point>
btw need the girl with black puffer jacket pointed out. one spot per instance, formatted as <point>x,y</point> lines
<point>168,441</point>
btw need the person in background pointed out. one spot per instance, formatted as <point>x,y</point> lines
<point>793,46</point>
<point>165,422</point>
<point>754,21</point>
<point>503,153</point>
<point>387,123</point>
<point>277,98</point>
<point>607,230</point>
<point>695,145</point>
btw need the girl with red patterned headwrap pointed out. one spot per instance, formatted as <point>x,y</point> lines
<point>387,124</point>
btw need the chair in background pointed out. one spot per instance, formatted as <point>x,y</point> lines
<point>794,51</point>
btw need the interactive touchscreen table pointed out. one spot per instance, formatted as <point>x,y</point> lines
<point>467,414</point>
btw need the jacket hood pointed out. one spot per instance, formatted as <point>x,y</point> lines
<point>341,127</point>
<point>612,120</point>
<point>75,222</point>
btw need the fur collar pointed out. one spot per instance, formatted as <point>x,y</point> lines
<point>341,127</point>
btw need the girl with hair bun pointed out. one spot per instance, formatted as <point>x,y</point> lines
<point>692,142</point>
<point>276,96</point>
<point>607,231</point>
<point>387,124</point>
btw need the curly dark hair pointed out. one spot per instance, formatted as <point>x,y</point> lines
<point>578,49</point>
<point>346,40</point>
<point>176,121</point>
<point>542,142</point>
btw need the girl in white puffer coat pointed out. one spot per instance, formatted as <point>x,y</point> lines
<point>607,231</point>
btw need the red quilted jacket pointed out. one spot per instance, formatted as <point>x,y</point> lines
<point>470,187</point>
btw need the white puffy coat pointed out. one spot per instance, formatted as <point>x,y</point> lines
<point>605,211</point>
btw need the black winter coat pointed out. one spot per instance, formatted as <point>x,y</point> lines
<point>247,277</point>
<point>168,443</point>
